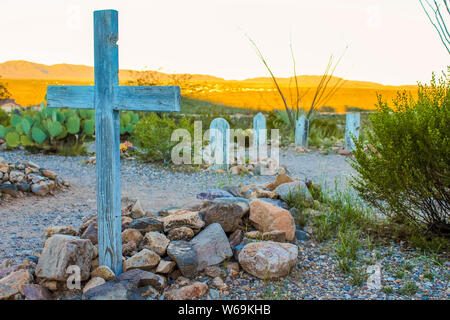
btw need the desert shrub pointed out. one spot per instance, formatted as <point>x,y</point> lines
<point>279,120</point>
<point>404,167</point>
<point>4,118</point>
<point>152,135</point>
<point>324,132</point>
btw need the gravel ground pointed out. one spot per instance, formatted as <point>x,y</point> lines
<point>316,276</point>
<point>22,221</point>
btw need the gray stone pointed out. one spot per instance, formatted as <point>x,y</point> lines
<point>233,190</point>
<point>23,186</point>
<point>9,188</point>
<point>111,290</point>
<point>145,225</point>
<point>301,235</point>
<point>62,251</point>
<point>228,214</point>
<point>142,278</point>
<point>213,194</point>
<point>184,255</point>
<point>211,246</point>
<point>294,188</point>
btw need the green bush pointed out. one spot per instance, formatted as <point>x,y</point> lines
<point>404,166</point>
<point>152,134</point>
<point>4,118</point>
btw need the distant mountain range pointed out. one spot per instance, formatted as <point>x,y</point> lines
<point>20,69</point>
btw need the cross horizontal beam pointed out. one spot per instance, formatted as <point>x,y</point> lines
<point>139,98</point>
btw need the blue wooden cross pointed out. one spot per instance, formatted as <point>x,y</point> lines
<point>108,98</point>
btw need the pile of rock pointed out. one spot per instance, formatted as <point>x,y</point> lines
<point>19,178</point>
<point>176,253</point>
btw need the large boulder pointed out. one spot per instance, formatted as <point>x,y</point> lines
<point>211,246</point>
<point>62,251</point>
<point>184,255</point>
<point>183,218</point>
<point>267,259</point>
<point>268,217</point>
<point>295,188</point>
<point>228,213</point>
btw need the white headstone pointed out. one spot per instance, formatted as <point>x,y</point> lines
<point>352,123</point>
<point>220,143</point>
<point>302,132</point>
<point>259,133</point>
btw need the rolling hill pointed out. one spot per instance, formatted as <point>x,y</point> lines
<point>27,82</point>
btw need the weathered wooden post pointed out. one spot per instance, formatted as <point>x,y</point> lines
<point>220,143</point>
<point>259,133</point>
<point>352,124</point>
<point>108,98</point>
<point>302,132</point>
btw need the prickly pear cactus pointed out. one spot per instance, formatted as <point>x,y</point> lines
<point>58,130</point>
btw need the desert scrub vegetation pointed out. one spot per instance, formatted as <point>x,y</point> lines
<point>404,164</point>
<point>61,131</point>
<point>152,135</point>
<point>5,118</point>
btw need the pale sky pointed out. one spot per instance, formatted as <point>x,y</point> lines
<point>389,41</point>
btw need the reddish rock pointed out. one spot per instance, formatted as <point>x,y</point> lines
<point>131,235</point>
<point>190,292</point>
<point>268,217</point>
<point>281,179</point>
<point>268,259</point>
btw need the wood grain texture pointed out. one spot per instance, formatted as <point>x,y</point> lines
<point>142,98</point>
<point>148,98</point>
<point>77,97</point>
<point>107,139</point>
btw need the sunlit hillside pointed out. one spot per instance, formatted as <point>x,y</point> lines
<point>27,83</point>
